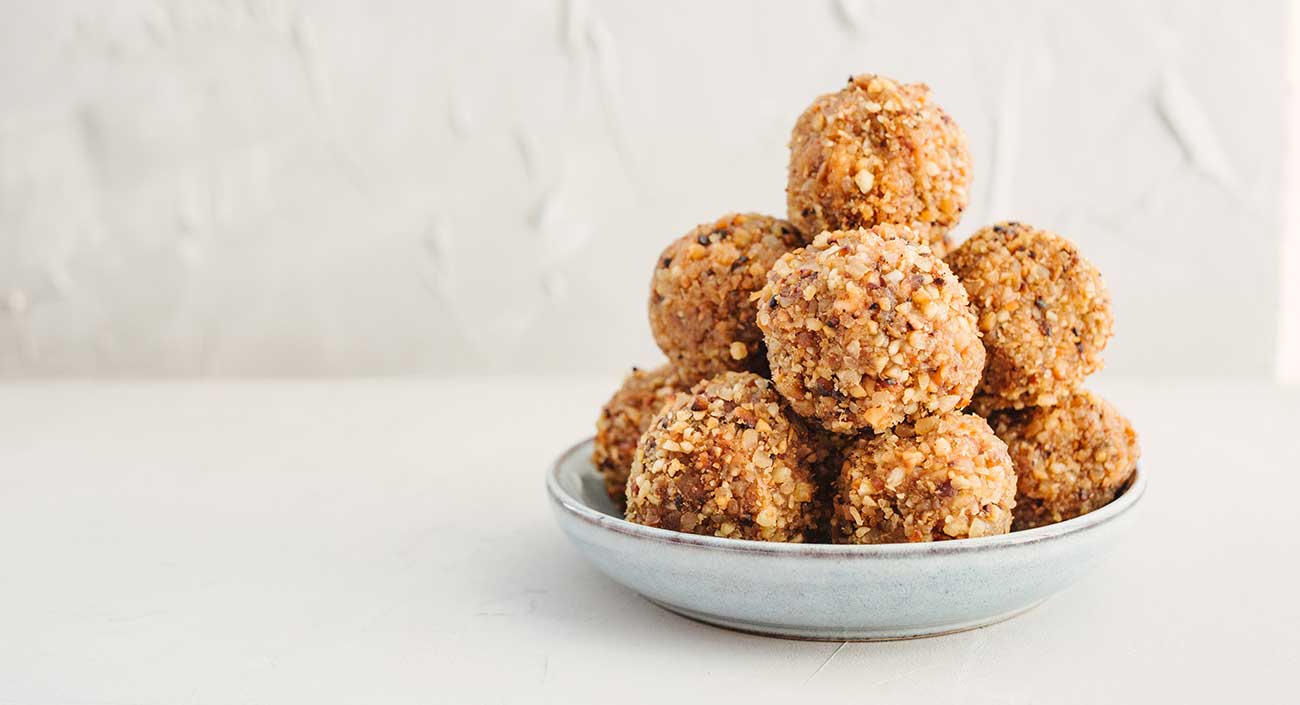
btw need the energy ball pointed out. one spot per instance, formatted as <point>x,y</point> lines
<point>700,309</point>
<point>1043,312</point>
<point>865,329</point>
<point>726,460</point>
<point>944,477</point>
<point>1071,458</point>
<point>878,151</point>
<point>624,418</point>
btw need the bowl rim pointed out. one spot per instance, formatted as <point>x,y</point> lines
<point>571,505</point>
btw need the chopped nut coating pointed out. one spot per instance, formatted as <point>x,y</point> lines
<point>1071,458</point>
<point>878,151</point>
<point>726,460</point>
<point>944,477</point>
<point>624,418</point>
<point>1043,312</point>
<point>700,312</point>
<point>865,329</point>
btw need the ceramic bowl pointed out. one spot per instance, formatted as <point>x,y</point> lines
<point>822,591</point>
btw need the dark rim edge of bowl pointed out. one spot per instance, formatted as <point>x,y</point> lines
<point>1132,492</point>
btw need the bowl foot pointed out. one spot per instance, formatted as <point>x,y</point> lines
<point>802,633</point>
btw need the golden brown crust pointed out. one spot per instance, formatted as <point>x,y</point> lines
<point>1043,311</point>
<point>726,460</point>
<point>944,477</point>
<point>1071,458</point>
<point>700,309</point>
<point>864,329</point>
<point>624,418</point>
<point>877,151</point>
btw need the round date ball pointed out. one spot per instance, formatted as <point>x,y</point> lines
<point>624,418</point>
<point>1071,458</point>
<point>865,329</point>
<point>726,460</point>
<point>944,477</point>
<point>878,151</point>
<point>700,308</point>
<point>1043,311</point>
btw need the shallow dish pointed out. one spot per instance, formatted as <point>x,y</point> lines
<point>821,591</point>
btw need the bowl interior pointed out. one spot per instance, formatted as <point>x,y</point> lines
<point>589,488</point>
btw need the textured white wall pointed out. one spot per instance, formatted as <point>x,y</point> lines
<point>273,188</point>
<point>1288,363</point>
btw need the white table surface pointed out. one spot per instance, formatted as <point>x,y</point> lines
<point>389,542</point>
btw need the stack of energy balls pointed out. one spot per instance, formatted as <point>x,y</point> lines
<point>849,376</point>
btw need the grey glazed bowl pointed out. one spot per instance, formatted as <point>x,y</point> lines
<point>822,591</point>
